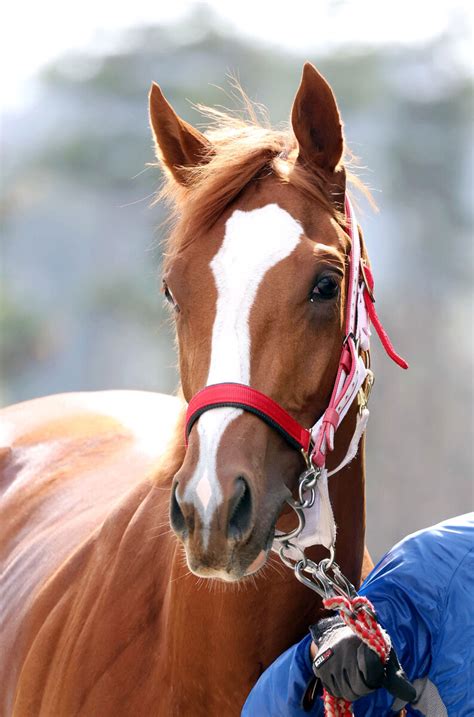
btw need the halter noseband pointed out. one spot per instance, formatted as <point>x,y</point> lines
<point>351,376</point>
<point>237,395</point>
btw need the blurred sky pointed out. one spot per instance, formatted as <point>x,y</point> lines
<point>32,34</point>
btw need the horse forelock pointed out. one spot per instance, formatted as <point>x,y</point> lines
<point>243,151</point>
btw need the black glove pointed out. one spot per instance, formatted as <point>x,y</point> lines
<point>349,669</point>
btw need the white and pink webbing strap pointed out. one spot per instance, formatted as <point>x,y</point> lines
<point>352,371</point>
<point>320,528</point>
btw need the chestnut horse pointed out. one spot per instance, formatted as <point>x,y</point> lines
<point>106,611</point>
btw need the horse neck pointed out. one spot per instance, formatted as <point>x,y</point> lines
<point>132,577</point>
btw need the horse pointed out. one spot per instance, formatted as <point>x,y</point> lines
<point>138,573</point>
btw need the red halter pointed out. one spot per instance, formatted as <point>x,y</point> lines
<point>350,376</point>
<point>237,395</point>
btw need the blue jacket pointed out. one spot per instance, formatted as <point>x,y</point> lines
<point>423,591</point>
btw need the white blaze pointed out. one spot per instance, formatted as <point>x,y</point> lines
<point>254,242</point>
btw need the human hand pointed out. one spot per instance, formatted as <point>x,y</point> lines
<point>349,669</point>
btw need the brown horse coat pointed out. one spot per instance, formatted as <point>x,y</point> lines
<point>100,615</point>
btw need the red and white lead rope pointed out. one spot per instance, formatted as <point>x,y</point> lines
<point>358,613</point>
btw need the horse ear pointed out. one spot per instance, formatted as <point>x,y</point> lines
<point>178,145</point>
<point>316,122</point>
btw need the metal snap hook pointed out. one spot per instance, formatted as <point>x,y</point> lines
<point>288,560</point>
<point>283,537</point>
<point>312,583</point>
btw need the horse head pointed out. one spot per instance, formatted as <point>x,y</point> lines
<point>256,277</point>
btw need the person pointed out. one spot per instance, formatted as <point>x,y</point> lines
<point>423,593</point>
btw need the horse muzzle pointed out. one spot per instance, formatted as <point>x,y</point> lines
<point>230,539</point>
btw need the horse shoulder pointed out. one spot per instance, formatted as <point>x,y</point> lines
<point>69,465</point>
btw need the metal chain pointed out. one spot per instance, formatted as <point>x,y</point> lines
<point>325,577</point>
<point>327,580</point>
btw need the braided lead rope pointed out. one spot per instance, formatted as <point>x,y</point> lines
<point>359,614</point>
<point>335,707</point>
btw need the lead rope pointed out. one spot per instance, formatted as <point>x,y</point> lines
<point>359,614</point>
<point>327,580</point>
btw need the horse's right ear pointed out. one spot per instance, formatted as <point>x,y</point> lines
<point>179,146</point>
<point>316,122</point>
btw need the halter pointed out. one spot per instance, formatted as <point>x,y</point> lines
<point>316,442</point>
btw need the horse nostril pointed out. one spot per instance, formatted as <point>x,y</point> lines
<point>240,510</point>
<point>178,523</point>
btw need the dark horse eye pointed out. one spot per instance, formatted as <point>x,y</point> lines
<point>326,288</point>
<point>169,296</point>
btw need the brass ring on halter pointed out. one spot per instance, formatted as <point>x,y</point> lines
<point>307,456</point>
<point>365,390</point>
<point>366,357</point>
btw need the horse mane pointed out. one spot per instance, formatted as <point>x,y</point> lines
<point>244,148</point>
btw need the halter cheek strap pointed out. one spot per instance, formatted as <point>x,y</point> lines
<point>352,373</point>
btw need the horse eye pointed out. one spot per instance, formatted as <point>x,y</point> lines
<point>169,296</point>
<point>326,288</point>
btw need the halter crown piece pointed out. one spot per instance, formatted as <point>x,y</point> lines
<point>353,381</point>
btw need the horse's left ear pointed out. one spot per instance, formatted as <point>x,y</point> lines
<point>316,122</point>
<point>179,146</point>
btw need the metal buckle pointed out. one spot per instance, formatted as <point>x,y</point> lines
<point>306,571</point>
<point>348,336</point>
<point>364,391</point>
<point>307,455</point>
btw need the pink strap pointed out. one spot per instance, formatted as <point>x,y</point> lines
<point>331,416</point>
<point>382,334</point>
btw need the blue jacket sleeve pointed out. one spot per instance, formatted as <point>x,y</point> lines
<point>422,591</point>
<point>280,690</point>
